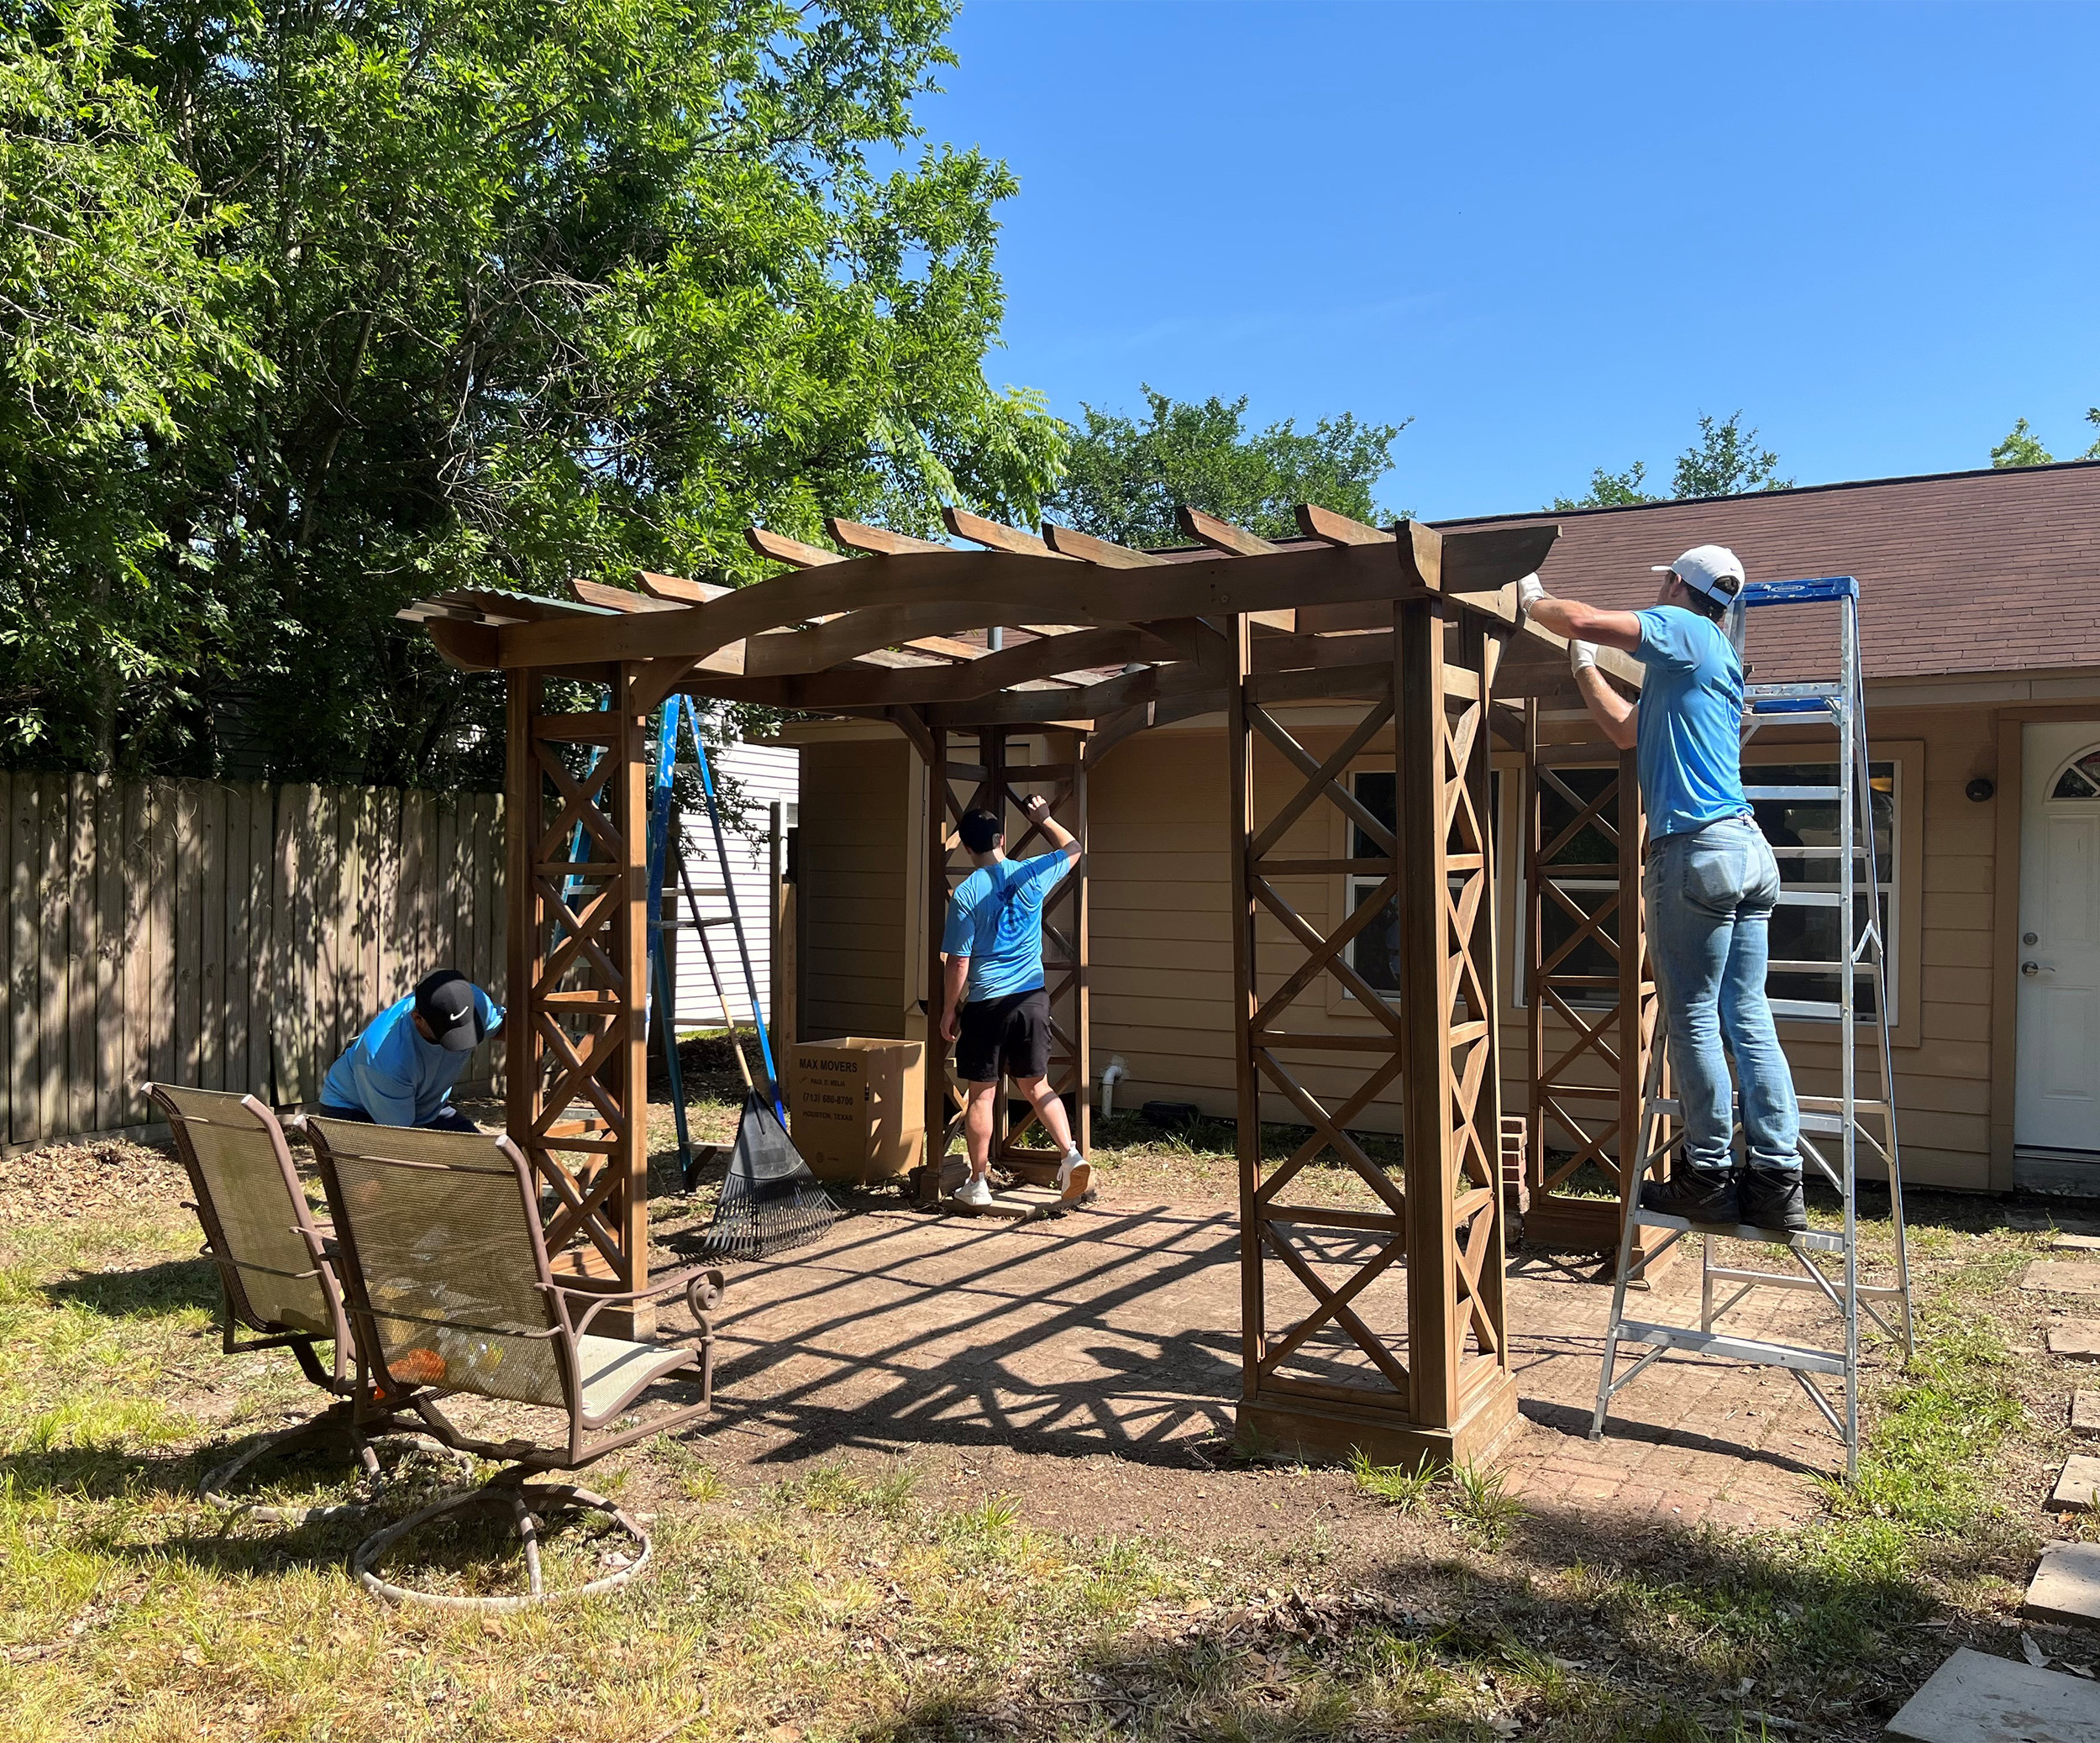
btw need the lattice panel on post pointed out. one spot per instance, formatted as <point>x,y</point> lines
<point>977,774</point>
<point>944,809</point>
<point>1062,783</point>
<point>1342,1374</point>
<point>577,1100</point>
<point>1587,972</point>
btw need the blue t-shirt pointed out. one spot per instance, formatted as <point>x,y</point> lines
<point>1690,744</point>
<point>394,1074</point>
<point>994,918</point>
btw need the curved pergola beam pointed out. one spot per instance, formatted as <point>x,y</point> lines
<point>1006,586</point>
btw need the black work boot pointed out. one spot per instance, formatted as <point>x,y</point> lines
<point>1772,1199</point>
<point>1697,1194</point>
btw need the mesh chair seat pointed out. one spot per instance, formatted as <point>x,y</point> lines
<point>258,1228</point>
<point>612,1372</point>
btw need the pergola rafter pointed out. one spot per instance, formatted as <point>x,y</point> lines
<point>1417,630</point>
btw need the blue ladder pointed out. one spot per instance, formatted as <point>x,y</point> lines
<point>678,720</point>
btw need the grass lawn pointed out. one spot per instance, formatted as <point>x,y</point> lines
<point>859,1597</point>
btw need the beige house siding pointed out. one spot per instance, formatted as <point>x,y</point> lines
<point>856,893</point>
<point>1161,974</point>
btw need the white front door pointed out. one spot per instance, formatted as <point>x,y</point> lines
<point>2058,1104</point>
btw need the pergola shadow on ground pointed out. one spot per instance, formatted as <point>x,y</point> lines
<point>1113,1333</point>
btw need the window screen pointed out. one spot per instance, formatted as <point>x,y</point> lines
<point>1804,835</point>
<point>1374,952</point>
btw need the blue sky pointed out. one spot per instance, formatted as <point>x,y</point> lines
<point>1552,235</point>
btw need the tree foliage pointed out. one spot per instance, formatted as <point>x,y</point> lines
<point>124,339</point>
<point>1613,489</point>
<point>491,294</point>
<point>1725,461</point>
<point>2022,446</point>
<point>1124,477</point>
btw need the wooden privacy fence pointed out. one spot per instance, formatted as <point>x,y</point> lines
<point>230,935</point>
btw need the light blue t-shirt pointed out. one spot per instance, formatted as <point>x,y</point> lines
<point>994,918</point>
<point>394,1074</point>
<point>1690,744</point>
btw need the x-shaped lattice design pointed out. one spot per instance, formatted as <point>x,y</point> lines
<point>574,1012</point>
<point>1326,955</point>
<point>1599,1039</point>
<point>1468,863</point>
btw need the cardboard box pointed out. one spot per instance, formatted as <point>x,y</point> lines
<point>857,1108</point>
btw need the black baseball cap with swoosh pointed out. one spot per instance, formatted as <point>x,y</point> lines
<point>445,1001</point>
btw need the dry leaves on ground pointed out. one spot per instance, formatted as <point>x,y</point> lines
<point>111,1177</point>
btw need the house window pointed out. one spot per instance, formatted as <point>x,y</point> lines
<point>1802,834</point>
<point>1375,951</point>
<point>2081,779</point>
<point>1806,950</point>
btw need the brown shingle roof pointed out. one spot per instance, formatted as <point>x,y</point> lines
<point>1992,572</point>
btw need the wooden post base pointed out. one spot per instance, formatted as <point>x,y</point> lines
<point>1315,1430</point>
<point>1592,1225</point>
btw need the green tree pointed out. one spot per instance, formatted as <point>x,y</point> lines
<point>545,287</point>
<point>1725,461</point>
<point>1124,477</point>
<point>123,330</point>
<point>1611,490</point>
<point>2022,446</point>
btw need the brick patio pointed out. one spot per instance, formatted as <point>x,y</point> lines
<point>1112,1333</point>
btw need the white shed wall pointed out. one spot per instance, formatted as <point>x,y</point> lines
<point>765,774</point>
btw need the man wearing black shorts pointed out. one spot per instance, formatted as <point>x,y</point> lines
<point>994,946</point>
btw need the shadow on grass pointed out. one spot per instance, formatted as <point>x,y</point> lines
<point>103,1473</point>
<point>166,1288</point>
<point>1578,1633</point>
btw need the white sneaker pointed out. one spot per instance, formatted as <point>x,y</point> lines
<point>1075,1175</point>
<point>977,1191</point>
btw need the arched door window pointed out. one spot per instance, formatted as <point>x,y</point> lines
<point>2080,778</point>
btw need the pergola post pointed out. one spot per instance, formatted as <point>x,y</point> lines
<point>1333,1382</point>
<point>1062,781</point>
<point>577,1048</point>
<point>1584,842</point>
<point>940,814</point>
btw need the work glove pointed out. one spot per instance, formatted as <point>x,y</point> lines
<point>1582,656</point>
<point>1530,592</point>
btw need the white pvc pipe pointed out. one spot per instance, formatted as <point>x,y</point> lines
<point>1116,1072</point>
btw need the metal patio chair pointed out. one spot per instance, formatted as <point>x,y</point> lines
<point>278,1284</point>
<point>446,1282</point>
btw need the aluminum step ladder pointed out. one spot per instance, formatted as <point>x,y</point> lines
<point>1832,1128</point>
<point>678,724</point>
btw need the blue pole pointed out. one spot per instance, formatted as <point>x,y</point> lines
<point>660,982</point>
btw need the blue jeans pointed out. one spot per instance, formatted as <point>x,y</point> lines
<point>1710,894</point>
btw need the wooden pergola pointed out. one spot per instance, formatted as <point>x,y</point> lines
<point>1411,636</point>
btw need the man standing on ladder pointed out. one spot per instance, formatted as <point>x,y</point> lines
<point>1710,886</point>
<point>994,944</point>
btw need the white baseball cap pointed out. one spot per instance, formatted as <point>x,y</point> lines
<point>1712,569</point>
